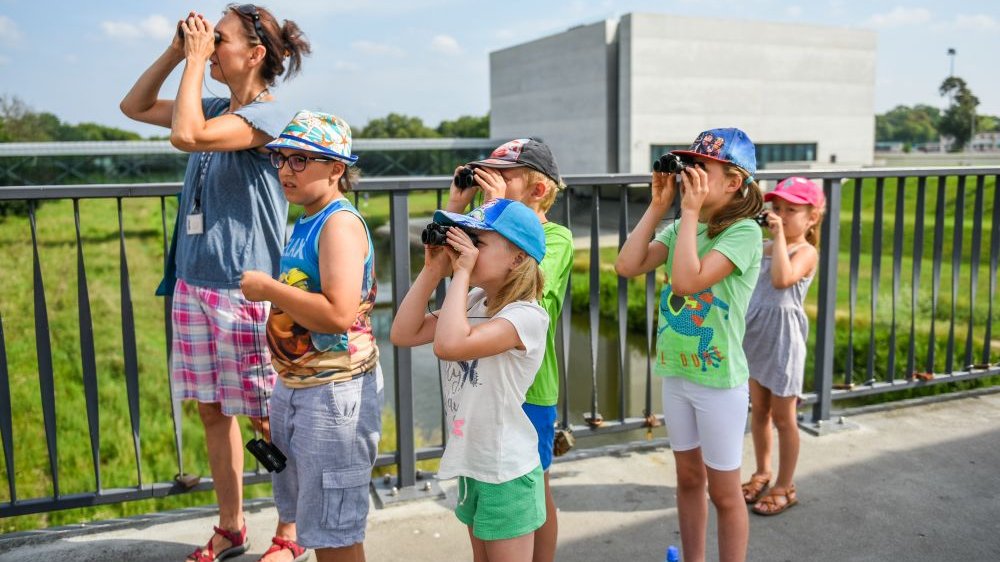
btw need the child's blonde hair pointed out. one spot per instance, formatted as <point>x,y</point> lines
<point>532,176</point>
<point>524,283</point>
<point>746,203</point>
<point>812,233</point>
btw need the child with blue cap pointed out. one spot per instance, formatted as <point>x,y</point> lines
<point>329,390</point>
<point>712,255</point>
<point>490,337</point>
<point>525,170</point>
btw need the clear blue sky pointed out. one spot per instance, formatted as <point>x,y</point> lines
<point>429,58</point>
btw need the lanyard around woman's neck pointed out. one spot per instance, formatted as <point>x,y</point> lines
<point>203,162</point>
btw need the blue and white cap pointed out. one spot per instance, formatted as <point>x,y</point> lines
<point>729,145</point>
<point>511,219</point>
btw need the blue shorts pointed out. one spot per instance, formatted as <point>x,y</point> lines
<point>544,420</point>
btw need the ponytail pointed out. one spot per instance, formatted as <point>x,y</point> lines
<point>286,41</point>
<point>296,47</point>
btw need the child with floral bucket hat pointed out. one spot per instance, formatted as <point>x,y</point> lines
<point>712,256</point>
<point>329,387</point>
<point>490,337</point>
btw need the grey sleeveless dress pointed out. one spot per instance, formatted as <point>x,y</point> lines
<point>777,329</point>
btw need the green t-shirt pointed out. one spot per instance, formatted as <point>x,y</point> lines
<point>700,337</point>
<point>555,267</point>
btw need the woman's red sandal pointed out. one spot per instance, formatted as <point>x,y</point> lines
<point>299,554</point>
<point>238,545</point>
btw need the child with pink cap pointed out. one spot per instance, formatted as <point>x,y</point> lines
<point>775,340</point>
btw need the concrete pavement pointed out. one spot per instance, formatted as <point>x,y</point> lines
<point>916,483</point>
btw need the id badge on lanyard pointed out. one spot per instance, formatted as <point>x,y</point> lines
<point>196,222</point>
<point>196,218</point>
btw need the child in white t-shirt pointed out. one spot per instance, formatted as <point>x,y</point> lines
<point>490,336</point>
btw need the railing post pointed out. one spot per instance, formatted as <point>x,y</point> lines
<point>399,215</point>
<point>827,301</point>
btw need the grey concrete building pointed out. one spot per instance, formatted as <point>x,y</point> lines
<point>614,95</point>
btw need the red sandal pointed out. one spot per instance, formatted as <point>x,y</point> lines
<point>279,544</point>
<point>238,545</point>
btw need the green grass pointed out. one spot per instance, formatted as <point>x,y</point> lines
<point>144,250</point>
<point>142,225</point>
<point>375,207</point>
<point>864,322</point>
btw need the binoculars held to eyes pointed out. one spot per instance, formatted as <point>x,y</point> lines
<point>180,34</point>
<point>465,178</point>
<point>436,234</point>
<point>267,454</point>
<point>672,164</point>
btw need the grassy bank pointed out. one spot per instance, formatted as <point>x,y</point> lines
<point>144,251</point>
<point>865,322</point>
<point>142,226</point>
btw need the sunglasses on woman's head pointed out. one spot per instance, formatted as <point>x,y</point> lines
<point>250,11</point>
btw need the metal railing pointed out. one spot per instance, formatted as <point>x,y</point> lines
<point>88,162</point>
<point>834,372</point>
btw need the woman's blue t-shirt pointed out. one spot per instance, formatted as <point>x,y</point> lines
<point>243,206</point>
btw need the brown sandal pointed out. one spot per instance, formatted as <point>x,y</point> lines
<point>776,501</point>
<point>755,487</point>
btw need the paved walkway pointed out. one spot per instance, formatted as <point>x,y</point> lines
<point>911,484</point>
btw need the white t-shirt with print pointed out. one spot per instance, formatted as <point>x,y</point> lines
<point>490,438</point>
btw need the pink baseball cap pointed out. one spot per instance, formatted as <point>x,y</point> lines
<point>798,191</point>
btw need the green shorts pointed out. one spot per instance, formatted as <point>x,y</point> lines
<point>502,511</point>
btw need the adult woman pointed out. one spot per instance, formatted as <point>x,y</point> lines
<point>232,217</point>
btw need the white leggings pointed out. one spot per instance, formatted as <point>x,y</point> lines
<point>711,418</point>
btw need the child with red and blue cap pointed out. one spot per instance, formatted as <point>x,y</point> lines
<point>490,337</point>
<point>712,256</point>
<point>775,342</point>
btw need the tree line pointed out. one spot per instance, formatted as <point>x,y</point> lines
<point>911,126</point>
<point>923,123</point>
<point>20,123</point>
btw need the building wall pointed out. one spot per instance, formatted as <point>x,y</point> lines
<point>559,88</point>
<point>655,79</point>
<point>780,83</point>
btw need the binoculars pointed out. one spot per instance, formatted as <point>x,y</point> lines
<point>267,454</point>
<point>465,178</point>
<point>180,34</point>
<point>435,234</point>
<point>671,164</point>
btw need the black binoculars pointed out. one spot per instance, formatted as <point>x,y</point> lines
<point>671,163</point>
<point>436,234</point>
<point>180,34</point>
<point>267,454</point>
<point>465,177</point>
